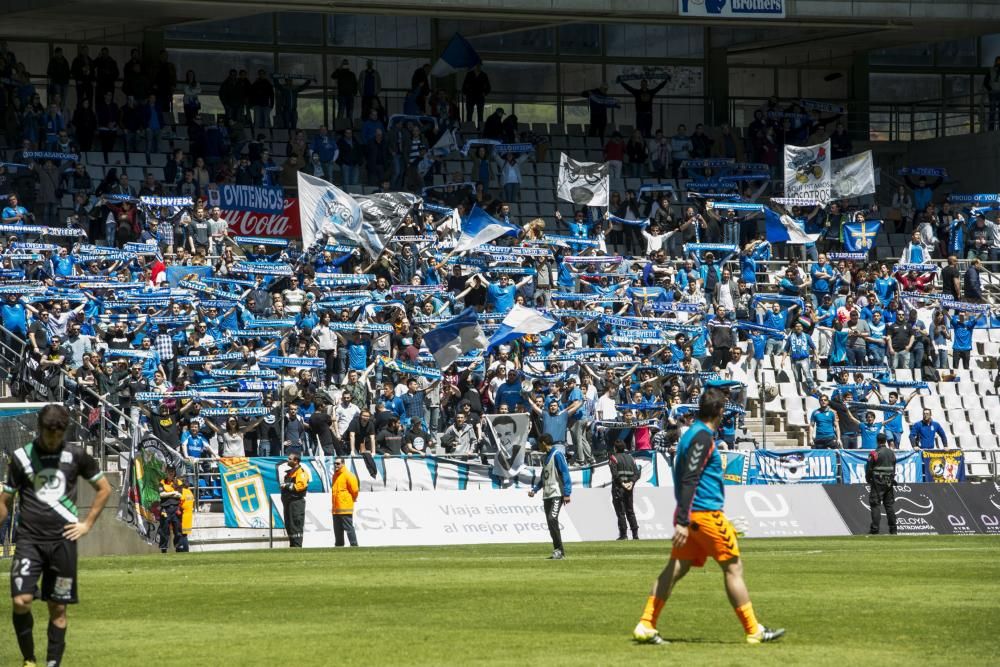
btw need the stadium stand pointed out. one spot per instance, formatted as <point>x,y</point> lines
<point>662,266</point>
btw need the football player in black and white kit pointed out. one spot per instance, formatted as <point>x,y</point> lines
<point>44,474</point>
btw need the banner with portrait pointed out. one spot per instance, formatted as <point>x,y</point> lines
<point>508,437</point>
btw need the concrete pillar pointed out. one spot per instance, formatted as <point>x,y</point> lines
<point>858,124</point>
<point>153,42</point>
<point>717,85</point>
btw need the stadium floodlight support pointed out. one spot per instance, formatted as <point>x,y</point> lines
<point>762,396</point>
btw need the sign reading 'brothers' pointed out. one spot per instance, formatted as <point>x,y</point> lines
<point>746,9</point>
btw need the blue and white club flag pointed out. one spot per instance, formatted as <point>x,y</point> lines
<point>478,227</point>
<point>457,56</point>
<point>446,145</point>
<point>853,176</point>
<point>860,236</point>
<point>784,229</point>
<point>521,321</point>
<point>326,209</point>
<point>457,336</point>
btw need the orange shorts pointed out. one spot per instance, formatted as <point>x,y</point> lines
<point>709,534</point>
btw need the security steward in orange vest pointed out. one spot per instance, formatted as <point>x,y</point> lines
<point>344,491</point>
<point>293,499</point>
<point>171,493</point>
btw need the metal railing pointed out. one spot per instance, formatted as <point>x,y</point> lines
<point>90,428</point>
<point>890,121</point>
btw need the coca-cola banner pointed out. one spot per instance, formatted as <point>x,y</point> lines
<point>285,224</point>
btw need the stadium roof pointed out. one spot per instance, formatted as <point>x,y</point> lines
<point>814,30</point>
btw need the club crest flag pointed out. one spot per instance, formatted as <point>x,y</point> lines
<point>325,209</point>
<point>245,503</point>
<point>808,172</point>
<point>860,236</point>
<point>853,176</point>
<point>583,183</point>
<point>508,435</point>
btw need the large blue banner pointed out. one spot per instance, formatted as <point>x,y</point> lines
<point>251,198</point>
<point>247,483</point>
<point>793,466</point>
<point>909,467</point>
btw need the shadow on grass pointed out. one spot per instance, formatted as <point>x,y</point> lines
<point>692,640</point>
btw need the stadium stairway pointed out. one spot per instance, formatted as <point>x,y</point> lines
<point>209,533</point>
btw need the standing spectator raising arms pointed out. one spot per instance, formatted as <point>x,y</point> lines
<point>643,104</point>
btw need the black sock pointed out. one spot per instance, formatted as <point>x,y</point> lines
<point>57,644</point>
<point>24,625</point>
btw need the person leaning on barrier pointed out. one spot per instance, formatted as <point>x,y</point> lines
<point>293,499</point>
<point>624,474</point>
<point>880,473</point>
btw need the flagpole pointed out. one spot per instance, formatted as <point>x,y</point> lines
<point>762,393</point>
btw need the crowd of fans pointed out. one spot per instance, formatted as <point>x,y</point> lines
<point>695,293</point>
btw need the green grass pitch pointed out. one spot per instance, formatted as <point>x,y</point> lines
<point>844,601</point>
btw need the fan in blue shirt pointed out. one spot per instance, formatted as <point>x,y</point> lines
<point>923,434</point>
<point>501,296</point>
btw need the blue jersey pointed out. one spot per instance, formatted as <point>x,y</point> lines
<point>838,346</point>
<point>963,333</point>
<point>748,269</point>
<point>697,474</point>
<point>502,298</point>
<point>824,420</point>
<point>821,285</point>
<point>799,346</point>
<point>894,424</point>
<point>885,288</point>
<point>869,435</point>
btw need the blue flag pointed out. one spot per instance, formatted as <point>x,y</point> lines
<point>457,336</point>
<point>784,229</point>
<point>860,236</point>
<point>458,55</point>
<point>480,227</point>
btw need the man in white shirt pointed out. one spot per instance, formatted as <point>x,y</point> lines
<point>605,408</point>
<point>654,239</point>
<point>343,414</point>
<point>738,371</point>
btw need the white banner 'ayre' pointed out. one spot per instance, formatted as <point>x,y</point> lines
<point>808,172</point>
<point>583,183</point>
<point>853,176</point>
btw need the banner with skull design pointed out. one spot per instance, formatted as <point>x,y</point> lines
<point>583,183</point>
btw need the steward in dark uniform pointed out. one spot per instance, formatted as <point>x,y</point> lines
<point>880,473</point>
<point>171,492</point>
<point>624,474</point>
<point>293,500</point>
